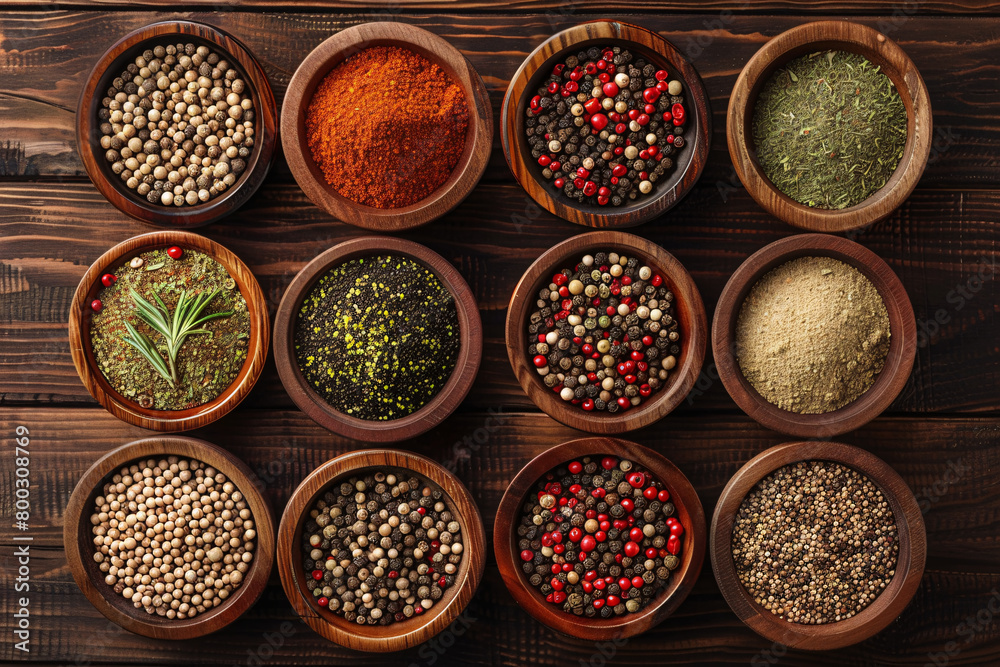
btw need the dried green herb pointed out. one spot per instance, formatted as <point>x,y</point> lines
<point>175,328</point>
<point>829,129</point>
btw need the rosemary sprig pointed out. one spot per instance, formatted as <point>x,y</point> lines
<point>175,328</point>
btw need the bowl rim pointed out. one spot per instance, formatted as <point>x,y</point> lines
<point>168,420</point>
<point>334,627</point>
<point>690,309</point>
<point>75,534</point>
<point>897,65</point>
<point>327,55</point>
<point>259,163</point>
<point>680,583</point>
<point>899,359</point>
<point>639,38</point>
<point>441,405</point>
<point>878,614</point>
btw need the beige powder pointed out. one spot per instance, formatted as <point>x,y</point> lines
<point>812,335</point>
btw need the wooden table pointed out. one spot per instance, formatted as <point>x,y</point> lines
<point>942,434</point>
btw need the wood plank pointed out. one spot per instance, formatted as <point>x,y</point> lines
<point>283,446</point>
<point>47,55</point>
<point>52,232</point>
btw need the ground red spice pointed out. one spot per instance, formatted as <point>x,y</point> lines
<point>387,127</point>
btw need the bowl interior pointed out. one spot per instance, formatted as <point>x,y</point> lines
<point>887,67</point>
<point>899,310</point>
<point>259,332</point>
<point>682,160</point>
<point>326,63</point>
<point>688,312</point>
<point>381,632</point>
<point>134,46</point>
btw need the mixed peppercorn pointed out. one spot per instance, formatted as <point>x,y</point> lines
<point>605,336</point>
<point>381,548</point>
<point>606,125</point>
<point>599,537</point>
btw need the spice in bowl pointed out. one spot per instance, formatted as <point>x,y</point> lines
<point>829,129</point>
<point>815,542</point>
<point>387,127</point>
<point>605,336</point>
<point>812,335</point>
<point>177,126</point>
<point>169,329</point>
<point>377,337</point>
<point>599,537</point>
<point>606,125</point>
<point>173,535</point>
<point>381,548</point>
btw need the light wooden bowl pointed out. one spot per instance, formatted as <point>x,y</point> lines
<point>690,314</point>
<point>839,36</point>
<point>898,363</point>
<point>873,618</point>
<point>412,631</point>
<point>536,68</point>
<point>682,580</point>
<point>88,133</point>
<point>333,51</point>
<point>441,405</point>
<point>78,539</point>
<point>128,410</point>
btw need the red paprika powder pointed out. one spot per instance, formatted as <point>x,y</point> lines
<point>387,127</point>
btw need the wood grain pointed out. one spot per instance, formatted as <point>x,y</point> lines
<point>838,36</point>
<point>413,631</point>
<point>128,410</point>
<point>689,312</point>
<point>909,567</point>
<point>949,463</point>
<point>78,538</point>
<point>48,54</point>
<point>441,405</point>
<point>898,361</point>
<point>672,593</point>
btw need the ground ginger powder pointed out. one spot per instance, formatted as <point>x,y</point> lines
<point>812,335</point>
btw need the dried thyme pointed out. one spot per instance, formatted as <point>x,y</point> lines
<point>829,129</point>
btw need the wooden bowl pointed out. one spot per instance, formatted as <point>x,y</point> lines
<point>898,363</point>
<point>128,410</point>
<point>873,618</point>
<point>536,68</point>
<point>88,133</point>
<point>823,36</point>
<point>78,538</point>
<point>690,314</point>
<point>333,51</point>
<point>412,631</point>
<point>441,405</point>
<point>689,513</point>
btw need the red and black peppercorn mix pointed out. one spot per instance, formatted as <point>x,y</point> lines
<point>604,336</point>
<point>381,548</point>
<point>606,125</point>
<point>599,537</point>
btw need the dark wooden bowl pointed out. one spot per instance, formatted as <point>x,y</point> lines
<point>873,618</point>
<point>412,631</point>
<point>78,539</point>
<point>838,36</point>
<point>441,405</point>
<point>128,410</point>
<point>88,131</point>
<point>333,51</point>
<point>690,314</point>
<point>533,72</point>
<point>898,363</point>
<point>682,580</point>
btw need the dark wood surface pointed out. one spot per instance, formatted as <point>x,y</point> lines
<point>942,434</point>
